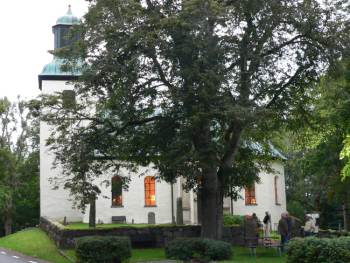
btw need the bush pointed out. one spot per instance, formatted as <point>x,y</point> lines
<point>98,249</point>
<point>320,250</point>
<point>197,248</point>
<point>232,220</point>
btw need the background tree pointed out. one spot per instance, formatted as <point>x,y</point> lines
<point>19,168</point>
<point>314,168</point>
<point>180,84</point>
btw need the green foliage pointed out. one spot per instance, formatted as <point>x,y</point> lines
<point>205,249</point>
<point>317,165</point>
<point>232,220</point>
<point>310,250</point>
<point>296,209</point>
<point>19,166</point>
<point>98,249</point>
<point>183,84</point>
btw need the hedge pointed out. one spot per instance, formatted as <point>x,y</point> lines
<point>103,249</point>
<point>198,248</point>
<point>320,250</point>
<point>233,220</point>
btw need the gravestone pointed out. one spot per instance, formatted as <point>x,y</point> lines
<point>151,218</point>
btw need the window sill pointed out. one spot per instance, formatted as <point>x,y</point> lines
<point>117,206</point>
<point>251,204</point>
<point>278,204</point>
<point>150,206</point>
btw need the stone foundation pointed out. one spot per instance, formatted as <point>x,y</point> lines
<point>151,237</point>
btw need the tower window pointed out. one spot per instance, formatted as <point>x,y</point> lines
<point>117,191</point>
<point>250,198</point>
<point>68,99</point>
<point>150,191</point>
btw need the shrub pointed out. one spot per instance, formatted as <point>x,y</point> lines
<point>98,249</point>
<point>231,220</point>
<point>320,250</point>
<point>204,249</point>
<point>217,250</point>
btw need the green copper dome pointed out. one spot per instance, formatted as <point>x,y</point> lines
<point>68,19</point>
<point>55,69</point>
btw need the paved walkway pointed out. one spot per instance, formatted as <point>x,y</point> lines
<point>7,256</point>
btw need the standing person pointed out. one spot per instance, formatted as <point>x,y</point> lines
<point>283,230</point>
<point>267,225</point>
<point>310,227</point>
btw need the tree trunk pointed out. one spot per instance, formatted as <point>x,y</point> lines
<point>345,221</point>
<point>212,216</point>
<point>8,225</point>
<point>92,213</point>
<point>8,217</point>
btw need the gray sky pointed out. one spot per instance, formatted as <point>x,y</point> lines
<point>26,36</point>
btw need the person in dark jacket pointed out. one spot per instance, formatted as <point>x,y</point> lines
<point>283,230</point>
<point>267,225</point>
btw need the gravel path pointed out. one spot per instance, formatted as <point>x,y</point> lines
<point>7,256</point>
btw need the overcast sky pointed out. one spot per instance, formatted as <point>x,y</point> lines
<point>25,37</point>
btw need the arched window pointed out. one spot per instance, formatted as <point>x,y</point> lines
<point>150,191</point>
<point>117,191</point>
<point>276,182</point>
<point>250,198</point>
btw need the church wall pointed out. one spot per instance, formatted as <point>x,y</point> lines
<point>54,204</point>
<point>265,196</point>
<point>134,208</point>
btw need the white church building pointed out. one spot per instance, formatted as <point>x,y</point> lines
<point>147,200</point>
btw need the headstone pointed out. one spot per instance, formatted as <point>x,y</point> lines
<point>151,218</point>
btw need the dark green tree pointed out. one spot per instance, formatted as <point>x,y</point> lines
<point>314,181</point>
<point>181,84</point>
<point>19,168</point>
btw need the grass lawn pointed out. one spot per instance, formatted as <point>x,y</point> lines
<point>83,226</point>
<point>33,242</point>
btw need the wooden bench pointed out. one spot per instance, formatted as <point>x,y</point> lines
<point>269,243</point>
<point>254,242</point>
<point>118,219</point>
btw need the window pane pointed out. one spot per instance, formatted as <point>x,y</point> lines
<point>150,192</point>
<point>250,198</point>
<point>117,191</point>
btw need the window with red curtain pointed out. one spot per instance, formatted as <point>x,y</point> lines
<point>117,191</point>
<point>250,198</point>
<point>276,191</point>
<point>150,191</point>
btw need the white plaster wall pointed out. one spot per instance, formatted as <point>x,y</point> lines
<point>134,208</point>
<point>54,204</point>
<point>265,196</point>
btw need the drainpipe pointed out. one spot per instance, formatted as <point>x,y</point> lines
<point>172,204</point>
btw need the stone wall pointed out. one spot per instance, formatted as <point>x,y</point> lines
<point>154,236</point>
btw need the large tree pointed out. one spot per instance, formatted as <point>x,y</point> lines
<point>180,84</point>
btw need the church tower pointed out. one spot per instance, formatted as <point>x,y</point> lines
<point>61,30</point>
<point>56,204</point>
